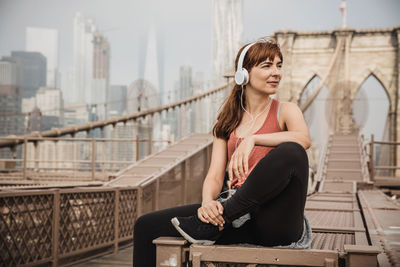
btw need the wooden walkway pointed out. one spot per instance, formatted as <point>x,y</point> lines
<point>121,259</point>
<point>347,215</point>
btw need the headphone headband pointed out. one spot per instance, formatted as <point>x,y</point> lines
<point>242,55</point>
<point>242,75</point>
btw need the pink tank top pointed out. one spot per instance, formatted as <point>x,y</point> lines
<point>270,125</point>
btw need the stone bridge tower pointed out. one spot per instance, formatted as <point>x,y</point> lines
<point>343,59</point>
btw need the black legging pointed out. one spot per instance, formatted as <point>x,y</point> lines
<point>274,193</point>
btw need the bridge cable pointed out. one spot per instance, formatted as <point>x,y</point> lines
<point>309,101</point>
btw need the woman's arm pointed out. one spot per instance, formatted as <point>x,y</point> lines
<point>297,130</point>
<point>211,210</point>
<point>215,177</point>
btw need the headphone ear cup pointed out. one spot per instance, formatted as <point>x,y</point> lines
<point>241,77</point>
<point>245,77</point>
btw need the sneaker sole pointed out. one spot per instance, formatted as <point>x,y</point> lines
<point>175,223</point>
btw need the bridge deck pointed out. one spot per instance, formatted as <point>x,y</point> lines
<point>121,259</point>
<point>382,216</point>
<point>337,209</point>
<point>334,212</point>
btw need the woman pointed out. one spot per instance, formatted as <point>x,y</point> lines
<point>262,142</point>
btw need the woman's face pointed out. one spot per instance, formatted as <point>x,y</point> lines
<point>265,77</point>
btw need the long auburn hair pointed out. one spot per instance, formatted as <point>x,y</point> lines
<point>231,114</point>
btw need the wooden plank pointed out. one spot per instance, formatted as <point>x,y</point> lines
<point>386,181</point>
<point>319,228</point>
<point>361,238</point>
<point>121,259</point>
<point>330,209</point>
<point>262,255</point>
<point>331,200</point>
<point>168,240</point>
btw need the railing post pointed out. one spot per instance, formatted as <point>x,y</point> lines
<point>93,157</point>
<point>56,226</point>
<point>55,166</point>
<point>150,142</point>
<point>25,155</point>
<point>371,160</point>
<point>103,153</point>
<point>157,195</point>
<point>74,160</point>
<point>180,121</point>
<point>116,219</point>
<point>137,147</point>
<point>37,155</point>
<point>184,170</point>
<point>139,201</point>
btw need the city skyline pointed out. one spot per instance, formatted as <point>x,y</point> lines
<point>89,33</point>
<point>126,24</point>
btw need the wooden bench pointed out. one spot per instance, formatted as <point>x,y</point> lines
<point>172,251</point>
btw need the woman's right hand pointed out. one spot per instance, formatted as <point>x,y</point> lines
<point>211,212</point>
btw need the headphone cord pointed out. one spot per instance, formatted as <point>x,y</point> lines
<point>253,119</point>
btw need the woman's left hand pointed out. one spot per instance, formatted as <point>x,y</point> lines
<point>239,164</point>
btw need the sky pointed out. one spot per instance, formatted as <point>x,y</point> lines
<point>184,27</point>
<point>184,33</point>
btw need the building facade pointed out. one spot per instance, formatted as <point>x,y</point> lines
<point>11,119</point>
<point>185,82</point>
<point>91,71</point>
<point>32,71</point>
<point>45,41</point>
<point>82,58</point>
<point>101,73</point>
<point>116,100</point>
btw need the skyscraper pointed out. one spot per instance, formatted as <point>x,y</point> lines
<point>32,74</point>
<point>91,66</point>
<point>45,41</point>
<point>83,59</point>
<point>11,121</point>
<point>50,101</point>
<point>101,72</point>
<point>227,36</point>
<point>151,73</point>
<point>185,82</point>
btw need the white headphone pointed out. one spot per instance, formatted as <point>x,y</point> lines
<point>242,75</point>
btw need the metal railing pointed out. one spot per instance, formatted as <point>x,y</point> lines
<point>391,170</point>
<point>53,225</point>
<point>217,94</point>
<point>64,226</point>
<point>127,139</point>
<point>96,157</point>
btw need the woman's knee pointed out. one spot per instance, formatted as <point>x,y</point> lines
<point>142,223</point>
<point>293,151</point>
